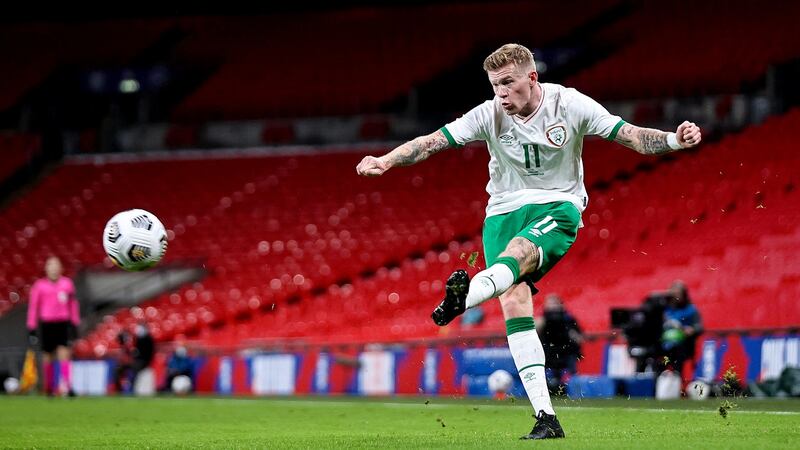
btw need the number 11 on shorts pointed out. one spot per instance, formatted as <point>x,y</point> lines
<point>548,223</point>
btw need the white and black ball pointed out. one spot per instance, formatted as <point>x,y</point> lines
<point>135,240</point>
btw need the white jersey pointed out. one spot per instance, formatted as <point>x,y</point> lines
<point>535,159</point>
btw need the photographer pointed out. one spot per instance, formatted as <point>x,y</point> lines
<point>682,326</point>
<point>137,354</point>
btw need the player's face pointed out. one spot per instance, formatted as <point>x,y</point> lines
<point>52,268</point>
<point>514,87</point>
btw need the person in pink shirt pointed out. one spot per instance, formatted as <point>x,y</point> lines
<point>53,315</point>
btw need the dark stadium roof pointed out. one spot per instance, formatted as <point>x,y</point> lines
<point>70,12</point>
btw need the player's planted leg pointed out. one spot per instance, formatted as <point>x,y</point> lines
<point>528,354</point>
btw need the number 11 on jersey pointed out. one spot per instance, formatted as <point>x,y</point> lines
<point>528,149</point>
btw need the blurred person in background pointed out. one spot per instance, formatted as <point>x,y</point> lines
<point>561,338</point>
<point>53,320</point>
<point>643,328</point>
<point>137,353</point>
<point>144,349</point>
<point>179,364</point>
<point>682,326</point>
<point>534,133</point>
<point>124,363</point>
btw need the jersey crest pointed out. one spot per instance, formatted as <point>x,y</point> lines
<point>557,135</point>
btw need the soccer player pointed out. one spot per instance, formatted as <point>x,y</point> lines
<point>534,132</point>
<point>53,305</point>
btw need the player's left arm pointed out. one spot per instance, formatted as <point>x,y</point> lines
<point>649,141</point>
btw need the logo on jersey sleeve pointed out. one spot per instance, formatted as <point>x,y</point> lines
<point>557,135</point>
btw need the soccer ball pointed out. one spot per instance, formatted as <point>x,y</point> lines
<point>181,384</point>
<point>500,382</point>
<point>698,390</point>
<point>135,240</point>
<point>11,385</point>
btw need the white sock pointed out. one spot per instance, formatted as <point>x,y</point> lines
<point>528,353</point>
<point>488,284</point>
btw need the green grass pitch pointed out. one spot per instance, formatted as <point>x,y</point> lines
<point>312,422</point>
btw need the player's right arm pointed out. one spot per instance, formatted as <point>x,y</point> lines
<point>407,154</point>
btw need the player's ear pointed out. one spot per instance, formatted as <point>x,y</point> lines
<point>534,77</point>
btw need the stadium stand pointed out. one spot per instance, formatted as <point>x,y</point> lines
<point>695,244</point>
<point>296,252</point>
<point>284,236</point>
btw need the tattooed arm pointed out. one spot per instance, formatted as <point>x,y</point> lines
<point>649,141</point>
<point>407,154</point>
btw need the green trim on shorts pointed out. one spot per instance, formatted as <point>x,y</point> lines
<point>519,324</point>
<point>614,132</point>
<point>449,137</point>
<point>511,263</point>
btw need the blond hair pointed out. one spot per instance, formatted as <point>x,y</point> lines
<point>510,54</point>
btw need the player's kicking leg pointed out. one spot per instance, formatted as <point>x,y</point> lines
<point>462,294</point>
<point>523,341</point>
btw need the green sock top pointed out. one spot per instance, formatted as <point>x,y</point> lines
<point>518,324</point>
